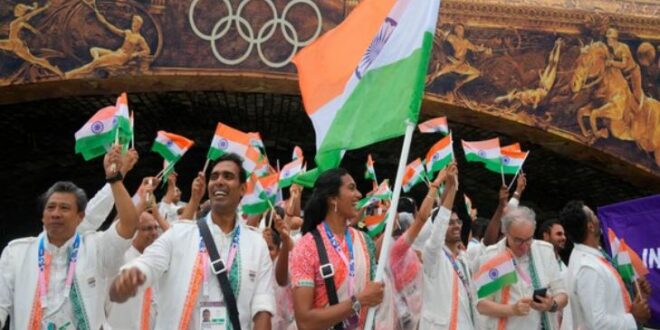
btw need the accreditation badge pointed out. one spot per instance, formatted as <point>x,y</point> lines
<point>212,316</point>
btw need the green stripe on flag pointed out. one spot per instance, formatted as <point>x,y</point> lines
<point>256,208</point>
<point>496,166</point>
<point>626,271</point>
<point>165,152</point>
<point>440,164</point>
<point>378,229</point>
<point>497,285</point>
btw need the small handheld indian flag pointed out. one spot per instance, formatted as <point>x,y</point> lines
<point>252,202</point>
<point>99,133</point>
<point>123,119</point>
<point>257,142</point>
<point>482,151</point>
<point>415,173</point>
<point>510,162</point>
<point>435,125</point>
<point>638,266</point>
<point>370,173</point>
<point>627,261</point>
<point>495,274</point>
<point>290,171</point>
<point>171,146</point>
<point>230,140</point>
<point>383,192</point>
<point>440,155</point>
<point>375,224</point>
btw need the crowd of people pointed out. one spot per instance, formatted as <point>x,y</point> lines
<point>204,265</point>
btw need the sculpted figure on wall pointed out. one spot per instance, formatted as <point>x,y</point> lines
<point>614,100</point>
<point>533,96</point>
<point>133,51</point>
<point>18,47</point>
<point>457,62</point>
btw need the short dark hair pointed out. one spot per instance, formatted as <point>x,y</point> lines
<point>479,227</point>
<point>546,226</point>
<point>575,221</point>
<point>407,204</point>
<point>65,187</point>
<point>236,159</point>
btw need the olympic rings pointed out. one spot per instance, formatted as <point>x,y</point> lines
<point>247,33</point>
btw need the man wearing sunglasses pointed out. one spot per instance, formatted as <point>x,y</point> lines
<point>531,302</point>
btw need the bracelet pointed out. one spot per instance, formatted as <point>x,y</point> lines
<point>112,179</point>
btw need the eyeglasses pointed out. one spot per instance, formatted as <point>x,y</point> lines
<point>150,228</point>
<point>520,241</point>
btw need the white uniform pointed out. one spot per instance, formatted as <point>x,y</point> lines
<point>99,257</point>
<point>441,281</point>
<point>549,277</point>
<point>171,261</point>
<point>597,299</point>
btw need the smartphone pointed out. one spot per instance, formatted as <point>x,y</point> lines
<point>540,293</point>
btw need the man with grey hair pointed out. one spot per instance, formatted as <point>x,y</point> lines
<point>516,306</point>
<point>58,279</point>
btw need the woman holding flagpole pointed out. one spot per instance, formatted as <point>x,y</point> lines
<point>332,265</point>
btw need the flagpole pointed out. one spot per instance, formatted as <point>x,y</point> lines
<point>206,165</point>
<point>113,166</point>
<point>170,165</point>
<point>502,172</point>
<point>518,171</point>
<point>387,234</point>
<point>132,130</point>
<point>272,212</point>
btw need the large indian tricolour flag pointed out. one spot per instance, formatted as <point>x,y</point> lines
<point>362,80</point>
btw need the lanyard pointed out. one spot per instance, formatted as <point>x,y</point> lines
<point>231,255</point>
<point>350,262</point>
<point>44,261</point>
<point>463,277</point>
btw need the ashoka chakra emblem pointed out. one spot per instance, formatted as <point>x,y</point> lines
<point>223,144</point>
<point>481,153</point>
<point>506,160</point>
<point>493,273</point>
<point>97,127</point>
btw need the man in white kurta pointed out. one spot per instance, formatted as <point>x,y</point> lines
<point>536,268</point>
<point>187,289</point>
<point>599,298</point>
<point>138,312</point>
<point>71,294</point>
<point>448,297</point>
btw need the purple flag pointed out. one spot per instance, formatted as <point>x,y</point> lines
<point>638,222</point>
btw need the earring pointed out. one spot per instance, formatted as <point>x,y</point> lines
<point>335,207</point>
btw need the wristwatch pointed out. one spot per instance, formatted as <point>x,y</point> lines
<point>554,307</point>
<point>112,179</point>
<point>355,305</point>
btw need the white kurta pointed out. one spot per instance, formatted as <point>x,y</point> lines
<point>99,257</point>
<point>170,261</point>
<point>128,315</point>
<point>438,281</point>
<point>595,294</point>
<point>549,277</point>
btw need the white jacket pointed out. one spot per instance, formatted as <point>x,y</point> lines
<point>549,276</point>
<point>100,256</point>
<point>438,281</point>
<point>170,260</point>
<point>595,294</point>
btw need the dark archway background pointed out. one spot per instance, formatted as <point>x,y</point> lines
<point>39,150</point>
